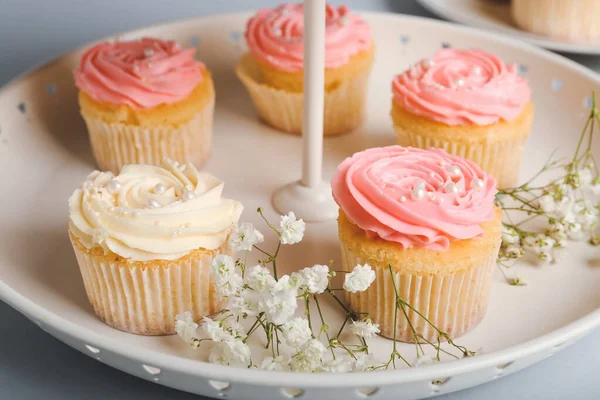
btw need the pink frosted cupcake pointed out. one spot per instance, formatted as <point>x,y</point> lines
<point>273,69</point>
<point>144,101</point>
<point>469,103</point>
<point>430,217</point>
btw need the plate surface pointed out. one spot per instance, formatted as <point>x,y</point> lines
<point>494,16</point>
<point>45,155</point>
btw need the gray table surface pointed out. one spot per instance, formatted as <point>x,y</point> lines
<point>34,365</point>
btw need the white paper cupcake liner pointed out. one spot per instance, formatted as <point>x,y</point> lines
<point>455,303</point>
<point>145,300</point>
<point>344,107</point>
<point>116,144</point>
<point>501,159</point>
<point>566,19</point>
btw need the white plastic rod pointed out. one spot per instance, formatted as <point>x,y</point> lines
<point>314,92</point>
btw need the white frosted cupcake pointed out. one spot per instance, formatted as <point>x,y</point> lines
<point>145,241</point>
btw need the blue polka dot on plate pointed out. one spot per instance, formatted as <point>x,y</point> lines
<point>22,107</point>
<point>194,41</point>
<point>404,39</point>
<point>523,69</point>
<point>588,102</point>
<point>446,45</point>
<point>235,36</point>
<point>557,84</point>
<point>51,89</point>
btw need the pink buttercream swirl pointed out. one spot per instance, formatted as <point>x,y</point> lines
<point>276,36</point>
<point>376,190</point>
<point>142,73</point>
<point>460,87</point>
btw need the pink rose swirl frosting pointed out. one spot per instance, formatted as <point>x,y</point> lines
<point>276,36</point>
<point>376,190</point>
<point>142,73</point>
<point>461,87</point>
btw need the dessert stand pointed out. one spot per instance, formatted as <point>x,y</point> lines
<point>45,154</point>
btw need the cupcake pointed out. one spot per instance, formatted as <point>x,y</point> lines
<point>431,217</point>
<point>575,20</point>
<point>469,103</point>
<point>144,101</point>
<point>145,241</point>
<point>272,70</point>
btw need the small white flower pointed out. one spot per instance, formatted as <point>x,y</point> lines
<point>595,187</point>
<point>574,230</point>
<point>244,305</point>
<point>233,353</point>
<point>512,252</point>
<point>364,362</point>
<point>316,278</point>
<point>341,364</point>
<point>545,256</point>
<point>423,360</point>
<point>185,327</point>
<point>365,328</point>
<point>244,237</point>
<point>359,280</point>
<point>546,203</point>
<point>289,282</point>
<point>260,279</point>
<point>588,218</point>
<point>509,235</point>
<point>234,328</point>
<point>278,363</point>
<point>226,287</point>
<point>309,358</point>
<point>291,229</point>
<point>539,243</point>
<point>296,332</point>
<point>278,305</point>
<point>222,266</point>
<point>214,330</point>
<point>557,231</point>
<point>585,177</point>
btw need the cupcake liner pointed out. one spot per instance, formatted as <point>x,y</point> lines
<point>500,159</point>
<point>344,106</point>
<point>145,299</point>
<point>455,303</point>
<point>116,144</point>
<point>566,19</point>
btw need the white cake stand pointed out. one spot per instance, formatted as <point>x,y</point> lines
<point>45,154</point>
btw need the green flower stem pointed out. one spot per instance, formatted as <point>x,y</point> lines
<point>260,211</point>
<point>307,302</point>
<point>324,327</point>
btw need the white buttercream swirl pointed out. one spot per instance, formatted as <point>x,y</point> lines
<point>138,220</point>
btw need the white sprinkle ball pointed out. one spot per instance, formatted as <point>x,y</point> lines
<point>284,12</point>
<point>454,171</point>
<point>114,186</point>
<point>188,195</point>
<point>459,82</point>
<point>476,70</point>
<point>111,209</point>
<point>276,32</point>
<point>344,20</point>
<point>427,63</point>
<point>403,199</point>
<point>135,213</point>
<point>477,184</point>
<point>148,53</point>
<point>159,188</point>
<point>153,203</point>
<point>432,174</point>
<point>451,188</point>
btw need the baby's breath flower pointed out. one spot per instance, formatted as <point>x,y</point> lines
<point>260,279</point>
<point>214,330</point>
<point>309,357</point>
<point>424,360</point>
<point>364,362</point>
<point>365,328</point>
<point>234,328</point>
<point>222,266</point>
<point>233,353</point>
<point>244,237</point>
<point>296,332</point>
<point>340,364</point>
<point>278,363</point>
<point>359,280</point>
<point>557,231</point>
<point>291,229</point>
<point>512,252</point>
<point>226,287</point>
<point>278,305</point>
<point>517,281</point>
<point>244,305</point>
<point>509,235</point>
<point>595,240</point>
<point>185,327</point>
<point>585,177</point>
<point>316,278</point>
<point>546,203</point>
